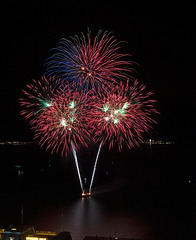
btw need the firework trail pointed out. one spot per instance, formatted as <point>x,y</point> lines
<point>121,117</point>
<point>95,165</point>
<point>76,162</point>
<point>89,63</point>
<point>62,127</point>
<point>57,117</point>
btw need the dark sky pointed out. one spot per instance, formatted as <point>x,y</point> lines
<point>161,39</point>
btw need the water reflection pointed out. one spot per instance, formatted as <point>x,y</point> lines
<point>90,216</point>
<point>87,218</point>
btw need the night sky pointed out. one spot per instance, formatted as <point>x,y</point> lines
<point>160,38</point>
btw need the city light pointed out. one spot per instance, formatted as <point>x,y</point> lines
<point>35,238</point>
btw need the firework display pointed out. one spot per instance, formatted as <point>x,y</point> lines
<point>87,63</point>
<point>86,95</point>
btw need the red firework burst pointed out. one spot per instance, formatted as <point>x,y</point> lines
<point>38,98</point>
<point>123,116</point>
<point>63,122</point>
<point>89,63</point>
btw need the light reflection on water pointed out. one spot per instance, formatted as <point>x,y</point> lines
<point>89,216</point>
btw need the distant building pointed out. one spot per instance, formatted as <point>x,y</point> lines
<point>28,233</point>
<point>107,238</point>
<point>63,236</point>
<point>1,233</point>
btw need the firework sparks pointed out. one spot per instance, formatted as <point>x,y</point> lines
<point>38,98</point>
<point>123,115</point>
<point>63,123</point>
<point>89,64</point>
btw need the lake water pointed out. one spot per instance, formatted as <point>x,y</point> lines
<point>145,193</point>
